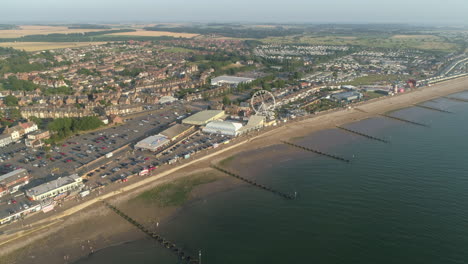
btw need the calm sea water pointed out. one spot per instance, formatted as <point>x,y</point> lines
<point>403,202</point>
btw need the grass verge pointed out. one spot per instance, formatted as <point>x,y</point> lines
<point>177,192</point>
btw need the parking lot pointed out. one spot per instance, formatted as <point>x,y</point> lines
<point>66,158</point>
<point>141,162</point>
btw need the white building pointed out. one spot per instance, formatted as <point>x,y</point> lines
<point>153,143</point>
<point>52,189</point>
<point>223,128</point>
<point>232,80</point>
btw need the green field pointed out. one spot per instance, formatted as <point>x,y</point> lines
<point>422,42</point>
<point>227,160</point>
<point>177,192</point>
<point>178,50</point>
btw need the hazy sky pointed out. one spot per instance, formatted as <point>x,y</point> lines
<point>343,11</point>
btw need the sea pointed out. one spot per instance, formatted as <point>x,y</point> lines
<point>405,201</point>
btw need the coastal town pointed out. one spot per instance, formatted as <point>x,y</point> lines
<point>78,123</point>
<point>76,120</point>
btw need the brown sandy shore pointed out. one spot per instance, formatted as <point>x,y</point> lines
<point>79,228</point>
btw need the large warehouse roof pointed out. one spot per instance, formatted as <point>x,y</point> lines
<point>152,143</point>
<point>229,80</point>
<point>203,117</point>
<point>223,127</point>
<point>176,130</point>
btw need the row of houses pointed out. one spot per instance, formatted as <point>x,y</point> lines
<point>15,133</point>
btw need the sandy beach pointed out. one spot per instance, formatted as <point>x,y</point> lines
<point>68,234</point>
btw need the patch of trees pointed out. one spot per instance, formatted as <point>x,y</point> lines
<point>7,51</point>
<point>65,127</point>
<point>85,71</point>
<point>131,72</point>
<point>234,32</point>
<point>10,100</point>
<point>19,62</point>
<point>14,84</point>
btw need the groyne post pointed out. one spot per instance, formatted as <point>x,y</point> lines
<point>433,108</point>
<point>162,241</point>
<point>253,183</point>
<point>317,151</point>
<point>405,120</point>
<point>362,134</point>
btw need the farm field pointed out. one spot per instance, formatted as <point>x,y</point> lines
<point>42,30</point>
<point>145,33</point>
<point>38,46</point>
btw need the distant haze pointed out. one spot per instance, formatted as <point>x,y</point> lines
<point>444,12</point>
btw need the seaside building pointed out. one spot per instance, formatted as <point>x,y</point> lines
<point>255,122</point>
<point>347,96</point>
<point>16,208</point>
<point>203,117</point>
<point>153,143</point>
<point>36,138</point>
<point>5,140</point>
<point>57,188</point>
<point>231,80</point>
<point>12,181</point>
<point>177,131</point>
<point>223,128</point>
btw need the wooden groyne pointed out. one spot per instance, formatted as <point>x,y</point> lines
<point>433,108</point>
<point>164,242</point>
<point>362,134</point>
<point>406,121</point>
<point>317,151</point>
<point>284,195</point>
<point>456,99</point>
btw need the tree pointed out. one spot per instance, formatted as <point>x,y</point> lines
<point>36,120</point>
<point>226,100</point>
<point>11,100</point>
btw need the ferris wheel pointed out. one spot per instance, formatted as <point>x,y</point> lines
<point>263,103</point>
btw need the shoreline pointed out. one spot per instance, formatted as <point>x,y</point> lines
<point>268,137</point>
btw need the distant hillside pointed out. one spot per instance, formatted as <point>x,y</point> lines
<point>7,27</point>
<point>88,26</point>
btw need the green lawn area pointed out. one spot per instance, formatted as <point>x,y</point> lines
<point>177,192</point>
<point>178,50</point>
<point>226,161</point>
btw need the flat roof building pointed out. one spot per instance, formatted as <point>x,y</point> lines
<point>176,131</point>
<point>153,143</point>
<point>255,122</point>
<point>347,96</point>
<point>12,181</point>
<point>17,208</point>
<point>203,117</point>
<point>56,187</point>
<point>223,128</point>
<point>232,80</point>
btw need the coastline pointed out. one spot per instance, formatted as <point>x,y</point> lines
<point>271,136</point>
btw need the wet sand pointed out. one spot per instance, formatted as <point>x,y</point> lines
<point>64,233</point>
